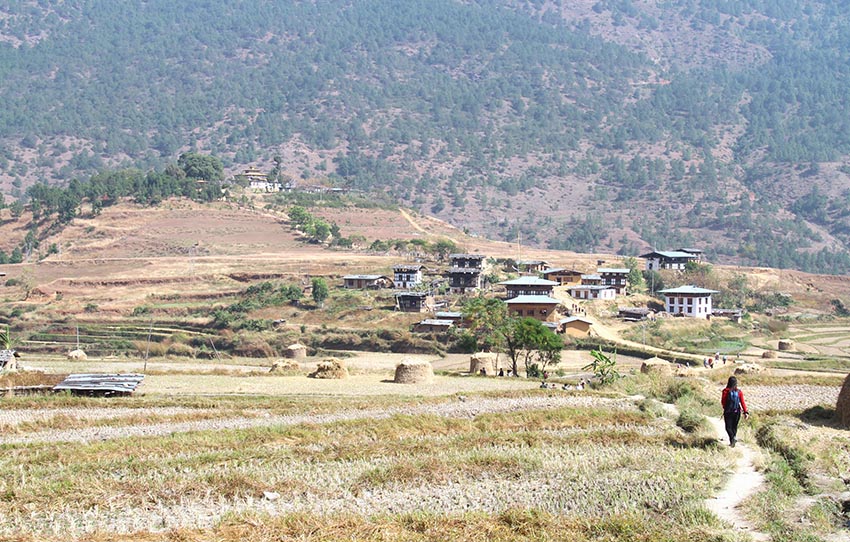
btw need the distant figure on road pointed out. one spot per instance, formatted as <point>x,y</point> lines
<point>732,400</point>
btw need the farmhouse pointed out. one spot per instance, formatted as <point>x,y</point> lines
<point>413,301</point>
<point>531,266</point>
<point>689,301</point>
<point>575,326</point>
<point>676,259</point>
<point>432,325</point>
<point>359,282</point>
<point>407,275</point>
<point>529,286</point>
<point>634,314</point>
<point>591,280</point>
<point>563,276</point>
<point>592,291</point>
<point>616,278</point>
<point>541,307</point>
<point>465,273</point>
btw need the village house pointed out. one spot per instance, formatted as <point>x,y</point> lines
<point>531,266</point>
<point>529,286</point>
<point>541,307</point>
<point>615,277</point>
<point>432,325</point>
<point>406,276</point>
<point>676,259</point>
<point>360,282</point>
<point>592,291</point>
<point>591,280</point>
<point>456,317</point>
<point>562,276</point>
<point>257,180</point>
<point>575,326</point>
<point>634,314</point>
<point>465,273</point>
<point>689,301</point>
<point>413,301</point>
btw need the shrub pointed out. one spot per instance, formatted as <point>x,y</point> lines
<point>690,421</point>
<point>180,349</point>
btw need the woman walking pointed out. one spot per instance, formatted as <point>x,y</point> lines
<point>733,403</point>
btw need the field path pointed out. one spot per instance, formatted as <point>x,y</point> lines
<point>745,481</point>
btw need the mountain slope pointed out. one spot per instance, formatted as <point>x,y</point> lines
<point>608,125</point>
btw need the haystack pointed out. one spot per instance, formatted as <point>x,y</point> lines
<point>77,355</point>
<point>331,368</point>
<point>748,369</point>
<point>413,371</point>
<point>488,361</point>
<point>768,354</point>
<point>842,407</point>
<point>656,366</point>
<point>296,351</point>
<point>284,366</point>
<point>786,345</point>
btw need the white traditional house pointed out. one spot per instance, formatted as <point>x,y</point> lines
<point>407,276</point>
<point>689,301</point>
<point>615,277</point>
<point>592,291</point>
<point>528,286</point>
<point>674,259</point>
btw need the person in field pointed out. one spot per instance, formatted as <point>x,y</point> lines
<point>732,400</point>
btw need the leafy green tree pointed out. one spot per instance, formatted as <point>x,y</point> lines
<point>200,166</point>
<point>299,215</point>
<point>444,247</point>
<point>16,256</point>
<point>635,278</point>
<point>485,318</point>
<point>16,208</point>
<point>529,340</point>
<point>320,291</point>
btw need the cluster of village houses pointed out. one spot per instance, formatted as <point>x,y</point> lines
<point>531,295</point>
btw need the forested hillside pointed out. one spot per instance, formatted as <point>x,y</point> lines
<point>604,125</point>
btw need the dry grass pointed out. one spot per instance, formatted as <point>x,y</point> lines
<point>29,378</point>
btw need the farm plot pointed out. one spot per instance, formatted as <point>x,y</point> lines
<point>506,467</point>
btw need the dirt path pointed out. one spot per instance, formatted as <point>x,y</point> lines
<point>412,222</point>
<point>745,481</point>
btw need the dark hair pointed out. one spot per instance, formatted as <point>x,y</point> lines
<point>732,383</point>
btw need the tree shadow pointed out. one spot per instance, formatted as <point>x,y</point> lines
<point>820,416</point>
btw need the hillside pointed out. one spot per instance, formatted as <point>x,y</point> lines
<point>723,122</point>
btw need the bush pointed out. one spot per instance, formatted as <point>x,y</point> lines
<point>253,347</point>
<point>180,349</point>
<point>690,421</point>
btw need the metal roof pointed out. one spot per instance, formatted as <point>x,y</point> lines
<point>100,384</point>
<point>412,294</point>
<point>591,287</point>
<point>591,276</point>
<point>669,254</point>
<point>529,281</point>
<point>466,256</point>
<point>531,299</point>
<point>445,315</point>
<point>613,270</point>
<point>688,289</point>
<point>363,277</point>
<point>435,322</point>
<point>414,266</point>
<point>574,319</point>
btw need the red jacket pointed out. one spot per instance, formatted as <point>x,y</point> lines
<point>725,395</point>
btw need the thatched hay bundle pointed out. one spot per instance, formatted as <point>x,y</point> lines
<point>748,368</point>
<point>412,371</point>
<point>842,407</point>
<point>285,366</point>
<point>296,351</point>
<point>488,361</point>
<point>331,368</point>
<point>77,355</point>
<point>786,345</point>
<point>768,354</point>
<point>656,366</point>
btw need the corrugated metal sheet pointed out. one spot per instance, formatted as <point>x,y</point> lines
<point>100,384</point>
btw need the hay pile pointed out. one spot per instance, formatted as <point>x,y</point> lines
<point>842,407</point>
<point>786,345</point>
<point>488,361</point>
<point>748,369</point>
<point>656,366</point>
<point>285,366</point>
<point>768,354</point>
<point>331,368</point>
<point>296,351</point>
<point>77,355</point>
<point>412,371</point>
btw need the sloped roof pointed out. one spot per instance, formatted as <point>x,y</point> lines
<point>688,289</point>
<point>613,270</point>
<point>591,287</point>
<point>529,281</point>
<point>669,254</point>
<point>411,294</point>
<point>560,270</point>
<point>575,319</point>
<point>592,276</point>
<point>466,256</point>
<point>435,322</point>
<point>414,266</point>
<point>364,277</point>
<point>533,299</point>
